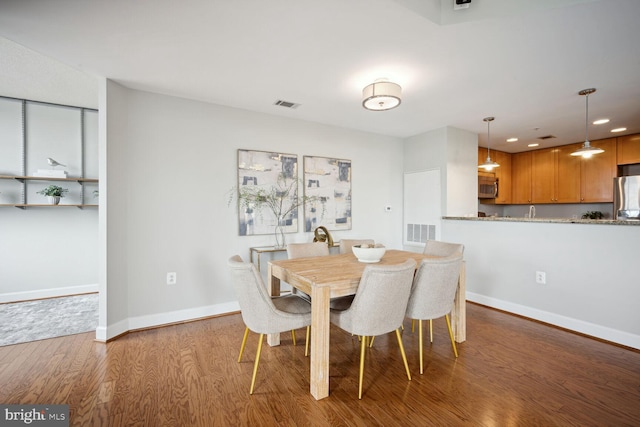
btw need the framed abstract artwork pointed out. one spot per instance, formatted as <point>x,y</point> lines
<point>267,192</point>
<point>327,181</point>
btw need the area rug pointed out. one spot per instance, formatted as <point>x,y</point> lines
<point>47,318</point>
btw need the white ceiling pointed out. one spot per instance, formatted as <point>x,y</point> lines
<point>522,61</point>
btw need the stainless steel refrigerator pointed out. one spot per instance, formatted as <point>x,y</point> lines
<point>626,197</point>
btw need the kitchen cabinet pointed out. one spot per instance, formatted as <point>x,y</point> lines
<point>555,175</point>
<point>521,177</point>
<point>503,173</point>
<point>597,173</point>
<point>628,149</point>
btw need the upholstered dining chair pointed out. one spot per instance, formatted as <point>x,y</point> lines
<point>306,250</point>
<point>347,244</point>
<point>442,249</point>
<point>378,307</point>
<point>261,313</point>
<point>433,294</point>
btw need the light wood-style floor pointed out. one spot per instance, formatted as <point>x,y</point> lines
<point>511,372</point>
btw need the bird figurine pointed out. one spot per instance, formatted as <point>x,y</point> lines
<point>54,163</point>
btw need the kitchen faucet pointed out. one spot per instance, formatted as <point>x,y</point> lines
<point>532,211</point>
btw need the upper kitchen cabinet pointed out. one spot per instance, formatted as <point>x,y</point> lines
<point>555,175</point>
<point>521,177</point>
<point>503,173</point>
<point>628,149</point>
<point>597,173</point>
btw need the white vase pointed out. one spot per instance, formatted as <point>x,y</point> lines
<point>53,200</point>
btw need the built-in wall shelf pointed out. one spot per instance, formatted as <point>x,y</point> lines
<point>45,178</point>
<point>33,205</point>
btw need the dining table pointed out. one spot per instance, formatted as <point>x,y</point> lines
<point>332,276</point>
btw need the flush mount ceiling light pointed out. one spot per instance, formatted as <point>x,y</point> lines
<point>587,150</point>
<point>489,164</point>
<point>381,95</point>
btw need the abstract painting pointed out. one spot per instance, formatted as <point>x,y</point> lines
<point>328,182</point>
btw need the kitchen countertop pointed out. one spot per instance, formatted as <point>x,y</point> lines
<point>545,220</point>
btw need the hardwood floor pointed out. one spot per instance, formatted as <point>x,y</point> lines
<point>511,372</point>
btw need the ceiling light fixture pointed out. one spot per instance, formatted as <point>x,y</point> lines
<point>489,164</point>
<point>381,95</point>
<point>535,144</point>
<point>587,150</point>
<point>512,140</point>
<point>601,121</point>
<point>618,130</point>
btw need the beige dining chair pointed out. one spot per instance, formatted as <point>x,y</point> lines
<point>378,308</point>
<point>347,244</point>
<point>433,294</point>
<point>442,249</point>
<point>306,250</point>
<point>261,313</point>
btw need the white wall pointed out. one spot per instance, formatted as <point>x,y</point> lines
<point>170,164</point>
<point>591,271</point>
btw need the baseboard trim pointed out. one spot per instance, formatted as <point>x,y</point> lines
<point>580,326</point>
<point>47,293</point>
<point>163,319</point>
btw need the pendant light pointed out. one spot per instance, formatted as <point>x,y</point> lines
<point>489,164</point>
<point>587,150</point>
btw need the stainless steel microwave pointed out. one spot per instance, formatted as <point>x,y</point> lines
<point>487,187</point>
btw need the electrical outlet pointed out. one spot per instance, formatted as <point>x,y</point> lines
<point>172,278</point>
<point>541,277</point>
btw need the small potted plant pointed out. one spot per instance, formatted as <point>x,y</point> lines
<point>54,193</point>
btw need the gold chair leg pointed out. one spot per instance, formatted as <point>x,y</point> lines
<point>255,365</point>
<point>420,345</point>
<point>293,336</point>
<point>404,356</point>
<point>371,342</point>
<point>363,347</point>
<point>244,342</point>
<point>306,343</point>
<point>431,329</point>
<point>453,342</point>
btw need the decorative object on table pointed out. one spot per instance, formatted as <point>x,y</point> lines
<point>592,215</point>
<point>267,194</point>
<point>586,151</point>
<point>369,253</point>
<point>328,182</point>
<point>54,193</point>
<point>321,234</point>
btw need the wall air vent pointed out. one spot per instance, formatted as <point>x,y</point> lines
<point>546,137</point>
<point>286,104</point>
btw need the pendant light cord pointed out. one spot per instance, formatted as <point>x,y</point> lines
<point>586,124</point>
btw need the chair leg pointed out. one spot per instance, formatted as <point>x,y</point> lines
<point>293,336</point>
<point>453,342</point>
<point>404,356</point>
<point>431,329</point>
<point>255,365</point>
<point>363,346</point>
<point>306,343</point>
<point>371,342</point>
<point>420,345</point>
<point>244,342</point>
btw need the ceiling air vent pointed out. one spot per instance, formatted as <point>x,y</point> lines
<point>546,137</point>
<point>286,104</point>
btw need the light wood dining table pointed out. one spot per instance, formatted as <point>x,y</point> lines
<point>334,276</point>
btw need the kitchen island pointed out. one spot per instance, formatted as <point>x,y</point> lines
<point>545,220</point>
<point>590,267</point>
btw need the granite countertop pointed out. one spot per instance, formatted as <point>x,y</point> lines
<point>546,220</point>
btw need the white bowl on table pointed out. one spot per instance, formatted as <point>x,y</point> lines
<point>369,253</point>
